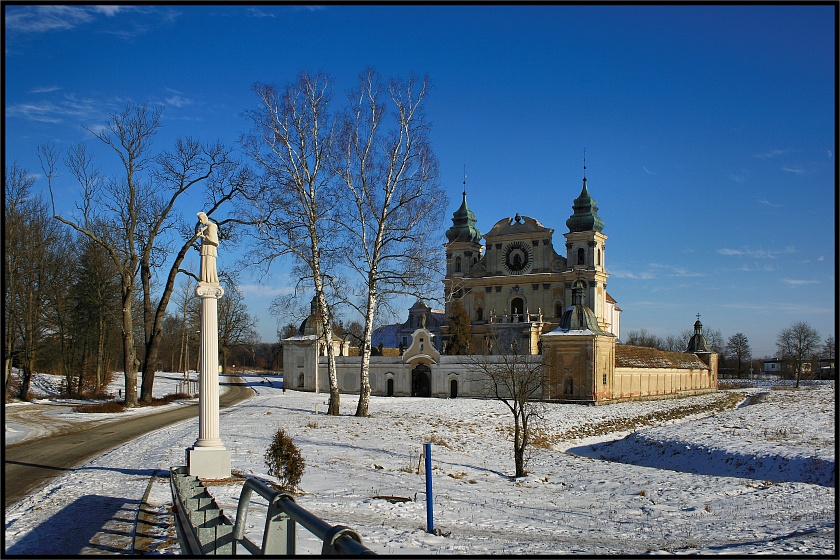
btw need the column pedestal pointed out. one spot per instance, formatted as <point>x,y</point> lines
<point>208,457</point>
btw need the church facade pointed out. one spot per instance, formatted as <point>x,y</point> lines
<point>522,296</point>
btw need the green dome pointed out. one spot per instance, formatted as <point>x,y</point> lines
<point>463,225</point>
<point>585,217</point>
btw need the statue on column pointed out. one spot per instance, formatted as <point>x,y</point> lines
<point>209,233</point>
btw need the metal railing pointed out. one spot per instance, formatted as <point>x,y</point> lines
<point>282,517</point>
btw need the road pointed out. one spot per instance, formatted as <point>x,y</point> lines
<point>30,464</point>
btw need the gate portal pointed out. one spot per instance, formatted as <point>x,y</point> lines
<point>421,385</point>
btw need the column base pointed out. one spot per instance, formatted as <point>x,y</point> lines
<point>208,462</point>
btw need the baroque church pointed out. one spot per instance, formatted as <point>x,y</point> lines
<point>521,296</point>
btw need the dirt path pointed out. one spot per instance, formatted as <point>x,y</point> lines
<point>31,463</point>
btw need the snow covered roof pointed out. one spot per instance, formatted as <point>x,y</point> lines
<point>643,356</point>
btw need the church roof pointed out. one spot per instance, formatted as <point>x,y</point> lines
<point>585,217</point>
<point>517,224</point>
<point>463,225</point>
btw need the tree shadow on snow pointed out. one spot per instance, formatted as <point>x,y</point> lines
<point>638,450</point>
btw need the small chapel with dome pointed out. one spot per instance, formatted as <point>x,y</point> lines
<point>521,295</point>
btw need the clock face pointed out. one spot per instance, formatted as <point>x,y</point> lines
<point>517,257</point>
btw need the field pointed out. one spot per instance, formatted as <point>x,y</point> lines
<point>742,471</point>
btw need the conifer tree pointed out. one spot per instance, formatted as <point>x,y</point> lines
<point>460,334</point>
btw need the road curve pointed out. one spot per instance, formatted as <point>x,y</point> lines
<point>30,464</point>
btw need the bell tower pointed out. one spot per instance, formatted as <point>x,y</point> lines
<point>585,244</point>
<point>463,250</point>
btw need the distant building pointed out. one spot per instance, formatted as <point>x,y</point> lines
<point>521,295</point>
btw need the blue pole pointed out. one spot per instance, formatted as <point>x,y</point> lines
<point>430,517</point>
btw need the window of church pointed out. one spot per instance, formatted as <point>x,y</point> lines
<point>599,257</point>
<point>605,379</point>
<point>479,313</point>
<point>581,256</point>
<point>457,264</point>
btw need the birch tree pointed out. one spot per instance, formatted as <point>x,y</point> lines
<point>390,175</point>
<point>295,204</point>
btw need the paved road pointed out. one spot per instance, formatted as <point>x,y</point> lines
<point>30,464</point>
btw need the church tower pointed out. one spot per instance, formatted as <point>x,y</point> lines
<point>463,250</point>
<point>585,253</point>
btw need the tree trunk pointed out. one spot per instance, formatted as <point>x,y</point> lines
<point>518,448</point>
<point>364,374</point>
<point>129,358</point>
<point>100,354</point>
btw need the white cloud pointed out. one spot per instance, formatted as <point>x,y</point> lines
<point>756,253</point>
<point>768,203</point>
<point>38,19</point>
<point>648,171</point>
<point>799,282</point>
<point>260,290</point>
<point>796,170</point>
<point>772,154</point>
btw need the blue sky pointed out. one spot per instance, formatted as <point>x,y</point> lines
<point>709,130</point>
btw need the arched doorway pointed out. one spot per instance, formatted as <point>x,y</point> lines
<point>390,388</point>
<point>453,389</point>
<point>517,307</point>
<point>421,381</point>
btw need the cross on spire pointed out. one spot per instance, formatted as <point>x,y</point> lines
<point>698,316</point>
<point>584,163</point>
<point>465,179</point>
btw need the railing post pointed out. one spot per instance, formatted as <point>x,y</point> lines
<point>430,517</point>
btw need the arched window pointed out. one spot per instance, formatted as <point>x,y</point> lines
<point>453,389</point>
<point>457,264</point>
<point>479,313</point>
<point>390,389</point>
<point>568,387</point>
<point>581,256</point>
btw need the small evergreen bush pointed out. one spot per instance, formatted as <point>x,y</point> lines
<point>284,460</point>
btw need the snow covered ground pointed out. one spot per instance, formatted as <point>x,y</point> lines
<point>627,478</point>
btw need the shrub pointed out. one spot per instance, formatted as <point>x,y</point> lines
<point>110,406</point>
<point>284,460</point>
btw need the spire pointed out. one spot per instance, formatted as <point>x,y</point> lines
<point>585,217</point>
<point>463,221</point>
<point>697,343</point>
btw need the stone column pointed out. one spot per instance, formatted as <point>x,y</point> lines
<point>208,458</point>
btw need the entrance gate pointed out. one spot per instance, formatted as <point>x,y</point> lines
<point>421,385</point>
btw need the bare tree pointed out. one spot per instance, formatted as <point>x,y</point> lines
<point>738,349</point>
<point>295,203</point>
<point>236,326</point>
<point>642,337</point>
<point>137,219</point>
<point>798,344</point>
<point>36,249</point>
<point>17,192</point>
<point>390,174</point>
<point>516,379</point>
